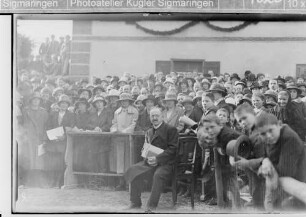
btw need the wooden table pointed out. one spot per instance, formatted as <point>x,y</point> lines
<point>70,178</point>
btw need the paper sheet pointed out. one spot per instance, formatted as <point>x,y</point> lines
<point>54,133</point>
<point>150,150</point>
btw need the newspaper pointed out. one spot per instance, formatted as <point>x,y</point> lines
<point>149,150</point>
<point>55,133</point>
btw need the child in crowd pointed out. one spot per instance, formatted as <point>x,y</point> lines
<point>258,101</point>
<point>223,115</point>
<point>284,156</point>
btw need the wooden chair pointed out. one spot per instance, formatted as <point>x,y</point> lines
<point>184,165</point>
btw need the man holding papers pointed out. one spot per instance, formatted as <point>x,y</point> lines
<point>157,164</point>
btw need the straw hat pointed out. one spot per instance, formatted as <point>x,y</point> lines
<point>64,98</point>
<point>187,99</point>
<point>99,98</point>
<point>170,96</point>
<point>140,98</point>
<point>293,87</point>
<point>198,96</point>
<point>168,80</point>
<point>96,88</point>
<point>56,90</point>
<point>149,97</point>
<point>125,96</point>
<point>218,88</point>
<point>272,94</point>
<point>82,90</point>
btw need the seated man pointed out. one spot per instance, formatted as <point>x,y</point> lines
<point>285,156</point>
<point>158,168</point>
<point>212,134</point>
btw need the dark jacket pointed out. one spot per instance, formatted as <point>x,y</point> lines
<point>225,136</point>
<point>165,137</point>
<point>288,155</point>
<point>67,121</point>
<point>84,121</point>
<point>143,122</point>
<point>103,121</point>
<point>196,114</point>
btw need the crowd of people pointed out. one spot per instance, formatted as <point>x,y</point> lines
<point>113,104</point>
<point>53,57</point>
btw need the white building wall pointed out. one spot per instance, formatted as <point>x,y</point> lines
<point>117,47</point>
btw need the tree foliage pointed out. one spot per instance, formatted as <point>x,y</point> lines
<point>24,46</point>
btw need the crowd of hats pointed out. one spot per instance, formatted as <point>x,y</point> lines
<point>179,87</point>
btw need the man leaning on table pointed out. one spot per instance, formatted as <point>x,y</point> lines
<point>157,168</point>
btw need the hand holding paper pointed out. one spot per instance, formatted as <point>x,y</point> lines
<point>55,133</point>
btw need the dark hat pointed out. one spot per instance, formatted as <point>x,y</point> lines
<point>241,83</point>
<point>279,78</point>
<point>235,75</point>
<point>272,94</point>
<point>96,88</point>
<point>301,84</point>
<point>218,88</point>
<point>247,72</point>
<point>159,84</point>
<point>264,83</point>
<point>255,84</point>
<point>281,84</point>
<point>82,100</point>
<point>270,103</point>
<point>251,77</point>
<point>293,87</point>
<point>170,96</point>
<point>187,99</point>
<point>183,81</point>
<point>149,97</point>
<point>246,98</point>
<point>246,91</point>
<point>82,90</point>
<point>64,98</point>
<point>114,78</point>
<point>288,78</point>
<point>260,74</point>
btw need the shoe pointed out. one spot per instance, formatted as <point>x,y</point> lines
<point>120,188</point>
<point>212,202</point>
<point>149,211</point>
<point>134,206</point>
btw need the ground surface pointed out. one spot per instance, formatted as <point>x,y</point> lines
<point>106,200</point>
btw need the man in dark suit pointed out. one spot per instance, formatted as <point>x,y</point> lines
<point>158,168</point>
